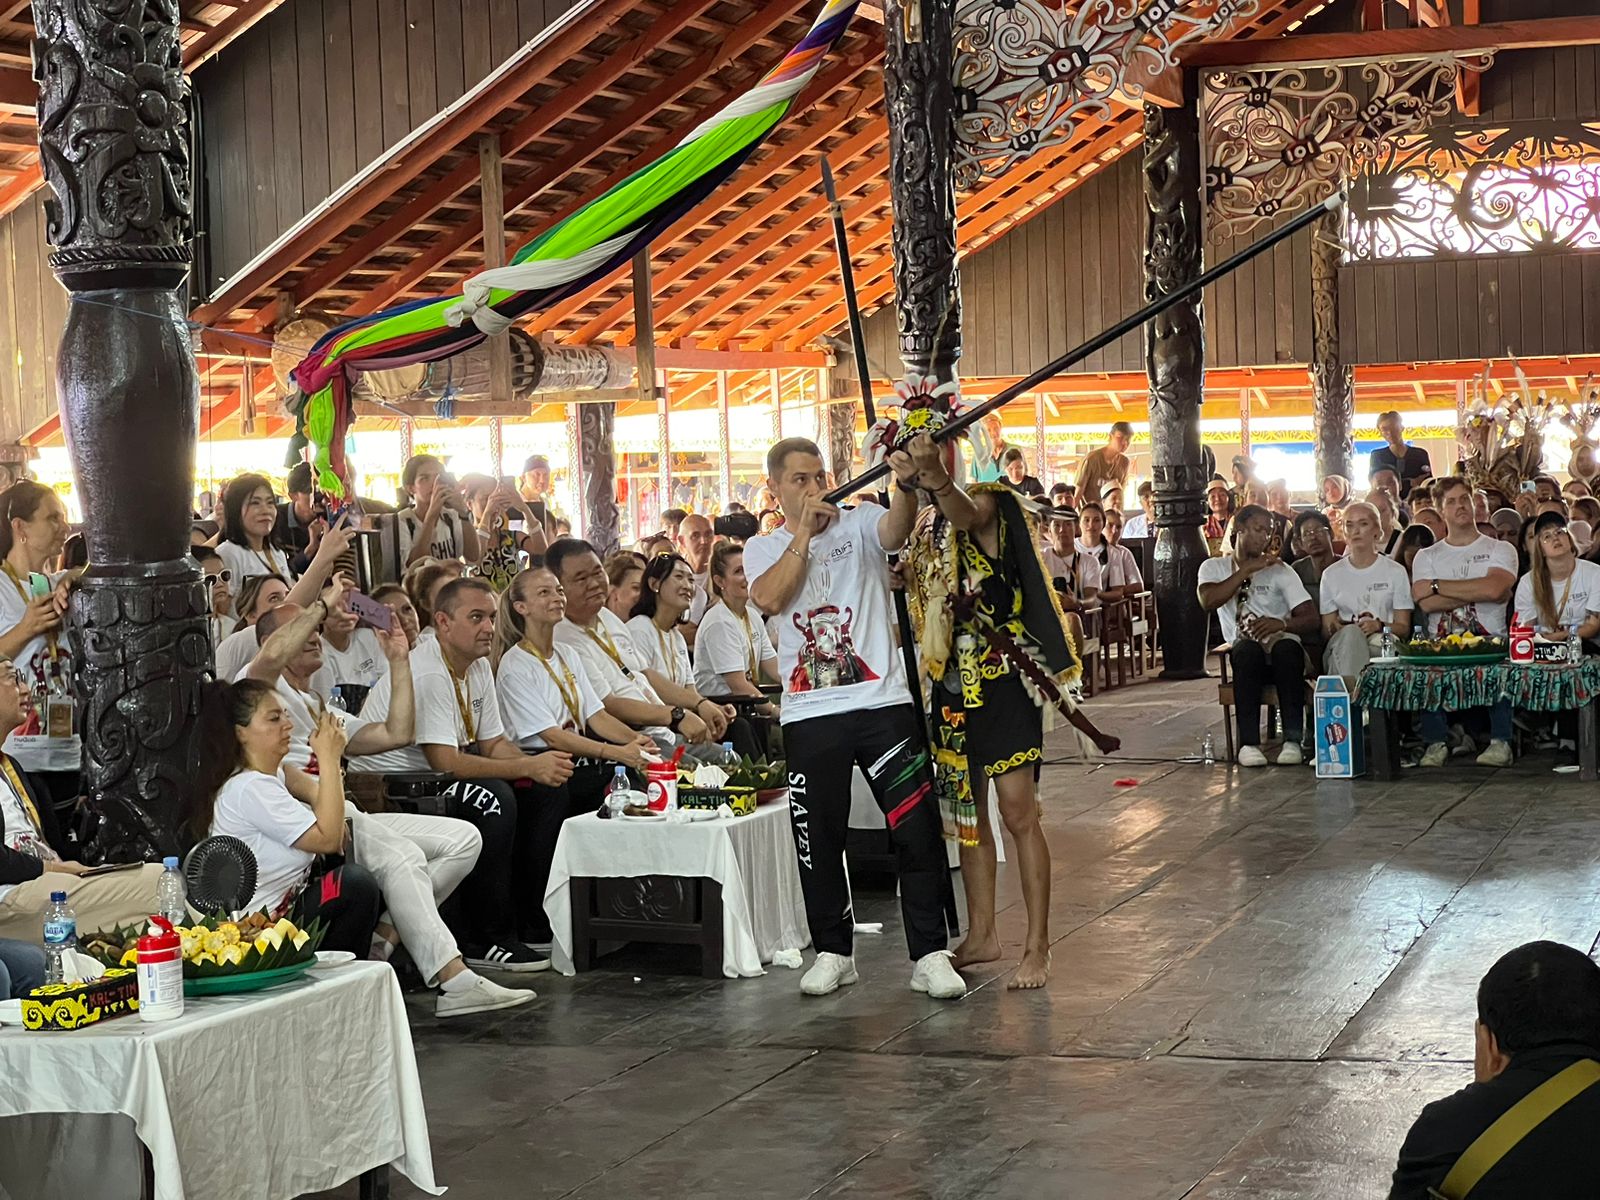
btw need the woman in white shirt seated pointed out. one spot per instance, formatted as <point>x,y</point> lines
<point>243,792</point>
<point>665,593</point>
<point>259,596</point>
<point>246,547</point>
<point>732,653</point>
<point>1561,591</point>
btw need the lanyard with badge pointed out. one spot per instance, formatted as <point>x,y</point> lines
<point>753,664</point>
<point>603,640</point>
<point>463,700</point>
<point>565,683</point>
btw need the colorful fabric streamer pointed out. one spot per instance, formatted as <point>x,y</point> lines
<point>560,262</point>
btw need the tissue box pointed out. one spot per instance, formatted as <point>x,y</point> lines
<point>74,1005</point>
<point>1340,741</point>
<point>1550,652</point>
<point>741,800</point>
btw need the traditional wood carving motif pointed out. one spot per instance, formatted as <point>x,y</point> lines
<point>919,96</point>
<point>1333,393</point>
<point>1531,187</point>
<point>1030,72</point>
<point>112,130</point>
<point>599,473</point>
<point>1281,139</point>
<point>1175,362</point>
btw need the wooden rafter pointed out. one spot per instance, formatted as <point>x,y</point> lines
<point>1382,43</point>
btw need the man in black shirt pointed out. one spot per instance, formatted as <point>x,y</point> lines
<point>1409,463</point>
<point>1538,1014</point>
<point>302,518</point>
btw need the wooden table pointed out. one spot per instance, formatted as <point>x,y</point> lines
<point>1386,688</point>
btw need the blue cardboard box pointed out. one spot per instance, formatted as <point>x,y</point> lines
<point>1341,743</point>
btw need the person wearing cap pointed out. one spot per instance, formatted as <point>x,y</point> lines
<point>1461,585</point>
<point>1107,465</point>
<point>302,519</point>
<point>1561,591</point>
<point>532,486</point>
<point>1409,463</point>
<point>1075,575</point>
<point>1143,523</point>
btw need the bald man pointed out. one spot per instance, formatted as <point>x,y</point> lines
<point>694,541</point>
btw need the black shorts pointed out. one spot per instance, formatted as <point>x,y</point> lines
<point>1006,731</point>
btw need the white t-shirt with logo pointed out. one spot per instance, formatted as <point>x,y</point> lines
<point>262,813</point>
<point>439,720</point>
<point>246,563</point>
<point>1274,592</point>
<point>361,662</point>
<point>666,652</point>
<point>725,644</point>
<point>447,542</point>
<point>836,649</point>
<point>1472,561</point>
<point>305,710</point>
<point>1379,590</point>
<point>1082,572</point>
<point>531,700</point>
<point>1582,592</point>
<point>32,750</point>
<point>18,832</point>
<point>589,647</point>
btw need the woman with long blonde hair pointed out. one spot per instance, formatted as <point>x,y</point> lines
<point>1561,591</point>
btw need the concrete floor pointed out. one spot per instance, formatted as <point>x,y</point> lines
<point>1258,981</point>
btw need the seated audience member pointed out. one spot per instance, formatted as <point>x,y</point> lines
<point>1415,538</point>
<point>1264,611</point>
<point>1507,524</point>
<point>732,653</point>
<point>246,543</point>
<point>1481,508</point>
<point>1389,526</point>
<point>670,521</point>
<point>1311,538</point>
<point>1132,578</point>
<point>423,582</point>
<point>1538,1017</point>
<point>624,569</point>
<point>351,653</point>
<point>1587,508</point>
<point>302,519</point>
<point>1335,492</point>
<point>1575,489</point>
<point>22,968</point>
<point>693,545</point>
<point>1526,504</point>
<point>438,523</point>
<point>506,530</point>
<point>1058,492</point>
<point>1546,488</point>
<point>1076,575</point>
<point>33,860</point>
<point>393,597</point>
<point>1560,592</point>
<point>1014,466</point>
<point>1278,500</point>
<point>1114,580</point>
<point>1111,499</point>
<point>459,733</point>
<point>218,579</point>
<point>1143,523</point>
<point>259,595</point>
<point>1361,595</point>
<point>1462,584</point>
<point>1387,481</point>
<point>1429,516</point>
<point>605,647</point>
<point>1219,512</point>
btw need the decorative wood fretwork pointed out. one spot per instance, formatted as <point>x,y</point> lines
<point>1531,187</point>
<point>1030,72</point>
<point>1280,139</point>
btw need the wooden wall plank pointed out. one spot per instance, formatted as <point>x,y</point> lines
<point>339,92</point>
<point>450,69</point>
<point>504,26</point>
<point>1093,288</point>
<point>421,49</point>
<point>258,141</point>
<point>1037,256</point>
<point>29,249</point>
<point>288,160</point>
<point>1589,299</point>
<point>395,98</point>
<point>1130,185</point>
<point>366,74</point>
<point>316,141</point>
<point>1407,346</point>
<point>1507,282</point>
<point>477,40</point>
<point>1384,316</point>
<point>10,295</point>
<point>1061,298</point>
<point>1068,266</point>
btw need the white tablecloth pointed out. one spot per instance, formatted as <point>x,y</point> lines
<point>257,1096</point>
<point>752,857</point>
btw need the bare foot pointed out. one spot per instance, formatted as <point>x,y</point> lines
<point>1032,971</point>
<point>971,952</point>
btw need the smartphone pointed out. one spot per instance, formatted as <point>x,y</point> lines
<point>38,585</point>
<point>1529,485</point>
<point>370,613</point>
<point>108,868</point>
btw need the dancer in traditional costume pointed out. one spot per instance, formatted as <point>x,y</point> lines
<point>993,639</point>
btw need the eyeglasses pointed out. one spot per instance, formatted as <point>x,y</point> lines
<point>223,576</point>
<point>13,674</point>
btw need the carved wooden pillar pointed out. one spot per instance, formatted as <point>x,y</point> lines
<point>113,126</point>
<point>919,93</point>
<point>1333,391</point>
<point>600,517</point>
<point>1175,361</point>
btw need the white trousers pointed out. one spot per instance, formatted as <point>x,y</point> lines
<point>418,861</point>
<point>1347,653</point>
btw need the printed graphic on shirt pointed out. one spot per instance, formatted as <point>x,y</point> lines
<point>828,656</point>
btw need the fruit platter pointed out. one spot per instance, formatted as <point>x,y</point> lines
<point>1461,649</point>
<point>750,782</point>
<point>222,955</point>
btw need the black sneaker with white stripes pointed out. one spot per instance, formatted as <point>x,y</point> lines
<point>513,956</point>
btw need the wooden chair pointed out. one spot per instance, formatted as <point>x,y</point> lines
<point>1269,697</point>
<point>1091,649</point>
<point>1144,632</point>
<point>1127,635</point>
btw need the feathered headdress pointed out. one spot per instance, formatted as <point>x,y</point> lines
<point>922,405</point>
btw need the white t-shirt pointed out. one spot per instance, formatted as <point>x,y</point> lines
<point>1087,570</point>
<point>33,751</point>
<point>261,812</point>
<point>1137,526</point>
<point>360,662</point>
<point>836,648</point>
<point>1582,592</point>
<point>1274,592</point>
<point>724,644</point>
<point>593,648</point>
<point>221,628</point>
<point>18,833</point>
<point>1380,590</point>
<point>305,709</point>
<point>664,652</point>
<point>1126,567</point>
<point>235,651</point>
<point>531,700</point>
<point>1472,561</point>
<point>701,603</point>
<point>245,563</point>
<point>447,542</point>
<point>439,720</point>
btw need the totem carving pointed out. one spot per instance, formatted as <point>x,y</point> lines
<point>920,96</point>
<point>599,474</point>
<point>1175,362</point>
<point>113,139</point>
<point>1333,392</point>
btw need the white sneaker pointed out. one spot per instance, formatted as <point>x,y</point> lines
<point>1251,756</point>
<point>828,974</point>
<point>483,996</point>
<point>1497,755</point>
<point>1436,755</point>
<point>935,975</point>
<point>1290,755</point>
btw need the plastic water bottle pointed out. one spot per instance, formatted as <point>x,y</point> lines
<point>1388,642</point>
<point>729,758</point>
<point>617,789</point>
<point>170,901</point>
<point>60,935</point>
<point>1208,750</point>
<point>1574,646</point>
